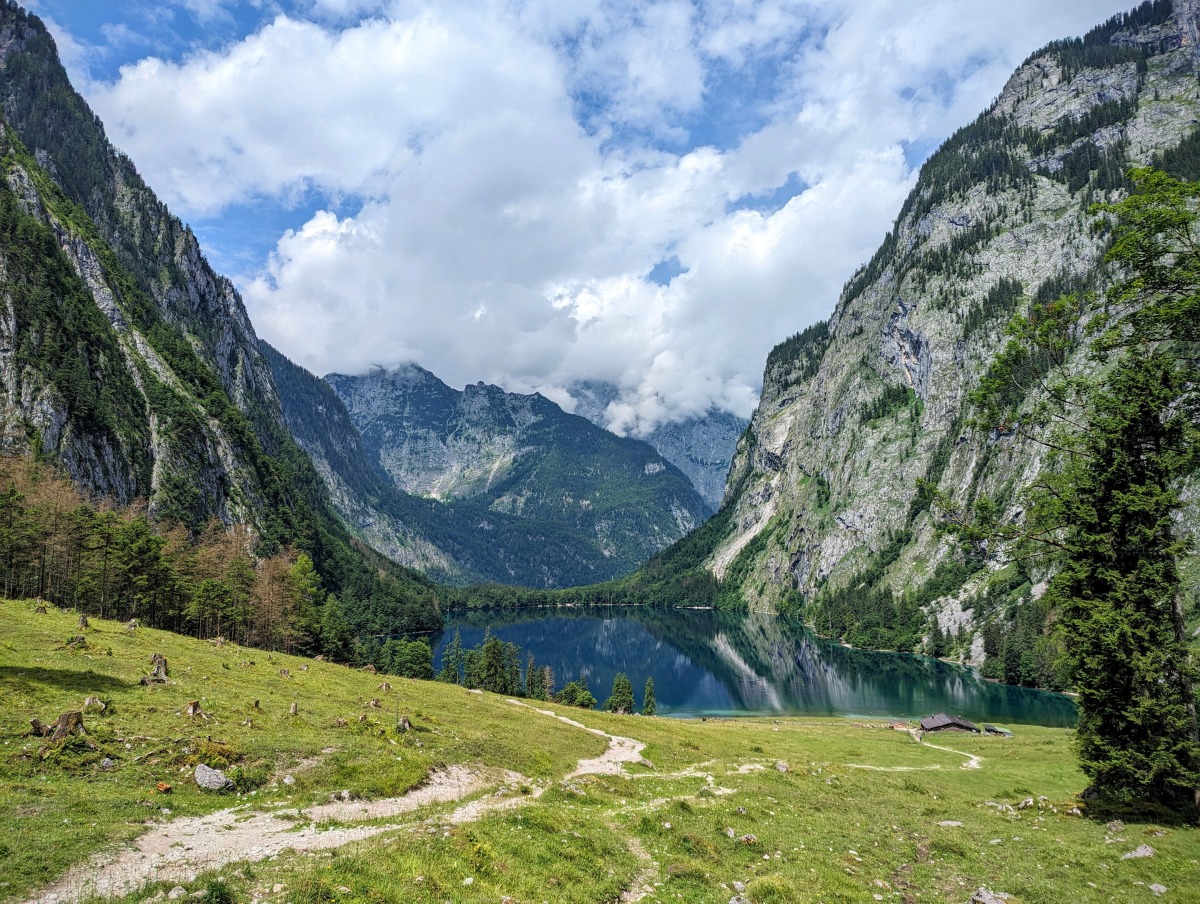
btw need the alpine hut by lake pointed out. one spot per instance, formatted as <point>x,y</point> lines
<point>943,722</point>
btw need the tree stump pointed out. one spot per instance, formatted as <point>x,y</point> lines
<point>404,724</point>
<point>40,609</point>
<point>304,668</point>
<point>385,687</point>
<point>158,675</point>
<point>340,722</point>
<point>219,641</point>
<point>370,669</point>
<point>194,711</point>
<point>318,658</point>
<point>83,621</point>
<point>374,703</point>
<point>131,625</point>
<point>249,723</point>
<point>94,703</point>
<point>295,709</point>
<point>66,725</point>
<point>256,706</point>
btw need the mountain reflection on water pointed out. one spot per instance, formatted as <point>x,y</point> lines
<point>706,662</point>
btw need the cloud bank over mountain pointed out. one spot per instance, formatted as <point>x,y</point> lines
<point>543,192</point>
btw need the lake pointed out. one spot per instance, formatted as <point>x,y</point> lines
<point>709,663</point>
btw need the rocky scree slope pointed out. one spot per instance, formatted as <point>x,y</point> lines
<point>123,356</point>
<point>501,459</point>
<point>823,489</point>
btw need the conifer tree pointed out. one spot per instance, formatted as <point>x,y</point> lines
<point>649,705</point>
<point>452,661</point>
<point>621,699</point>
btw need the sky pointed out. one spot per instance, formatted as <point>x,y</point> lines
<point>535,193</point>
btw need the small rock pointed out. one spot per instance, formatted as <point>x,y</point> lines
<point>468,881</point>
<point>277,888</point>
<point>107,763</point>
<point>738,899</point>
<point>341,795</point>
<point>288,780</point>
<point>781,766</point>
<point>666,825</point>
<point>176,893</point>
<point>212,779</point>
<point>729,832</point>
<point>749,838</point>
<point>1025,804</point>
<point>1074,811</point>
<point>950,823</point>
<point>1115,827</point>
<point>344,889</point>
<point>1142,850</point>
<point>741,811</point>
<point>739,887</point>
<point>986,896</point>
<point>1158,889</point>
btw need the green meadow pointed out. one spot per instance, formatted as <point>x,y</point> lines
<point>768,810</point>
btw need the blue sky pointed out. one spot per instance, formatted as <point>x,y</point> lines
<point>539,192</point>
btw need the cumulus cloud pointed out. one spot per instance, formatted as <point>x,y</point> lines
<point>523,167</point>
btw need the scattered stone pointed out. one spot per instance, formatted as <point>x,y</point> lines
<point>1115,827</point>
<point>666,825</point>
<point>384,686</point>
<point>781,766</point>
<point>986,896</point>
<point>277,888</point>
<point>107,763</point>
<point>741,811</point>
<point>294,709</point>
<point>212,779</point>
<point>729,832</point>
<point>739,887</point>
<point>950,823</point>
<point>341,795</point>
<point>1025,804</point>
<point>289,780</point>
<point>749,838</point>
<point>344,889</point>
<point>94,703</point>
<point>1074,811</point>
<point>469,880</point>
<point>304,668</point>
<point>176,893</point>
<point>738,899</point>
<point>1158,889</point>
<point>1142,850</point>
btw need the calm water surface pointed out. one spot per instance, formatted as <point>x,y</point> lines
<point>719,663</point>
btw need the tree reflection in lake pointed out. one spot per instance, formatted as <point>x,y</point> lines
<point>706,662</point>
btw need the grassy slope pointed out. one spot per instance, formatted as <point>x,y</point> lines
<point>579,841</point>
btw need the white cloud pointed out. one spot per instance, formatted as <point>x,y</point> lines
<point>524,166</point>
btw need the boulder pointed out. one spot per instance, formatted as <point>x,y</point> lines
<point>986,896</point>
<point>1142,850</point>
<point>212,779</point>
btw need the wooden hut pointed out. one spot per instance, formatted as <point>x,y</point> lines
<point>943,722</point>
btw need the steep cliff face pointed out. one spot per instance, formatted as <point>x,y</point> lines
<point>125,358</point>
<point>823,488</point>
<point>701,447</point>
<point>508,461</point>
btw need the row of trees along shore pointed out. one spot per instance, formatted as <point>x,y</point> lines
<point>501,667</point>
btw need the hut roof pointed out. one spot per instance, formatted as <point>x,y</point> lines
<point>943,722</point>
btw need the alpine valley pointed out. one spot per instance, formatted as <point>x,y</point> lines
<point>229,575</point>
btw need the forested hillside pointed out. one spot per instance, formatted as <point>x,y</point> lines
<point>129,362</point>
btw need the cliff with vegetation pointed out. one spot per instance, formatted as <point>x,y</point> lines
<point>824,513</point>
<point>127,361</point>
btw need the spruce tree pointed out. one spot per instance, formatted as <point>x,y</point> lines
<point>649,706</point>
<point>452,661</point>
<point>621,699</point>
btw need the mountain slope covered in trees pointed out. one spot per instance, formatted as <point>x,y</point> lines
<point>128,361</point>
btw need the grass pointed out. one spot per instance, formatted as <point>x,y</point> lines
<point>782,807</point>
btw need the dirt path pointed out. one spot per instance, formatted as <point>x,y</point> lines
<point>973,761</point>
<point>180,850</point>
<point>183,848</point>
<point>612,762</point>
